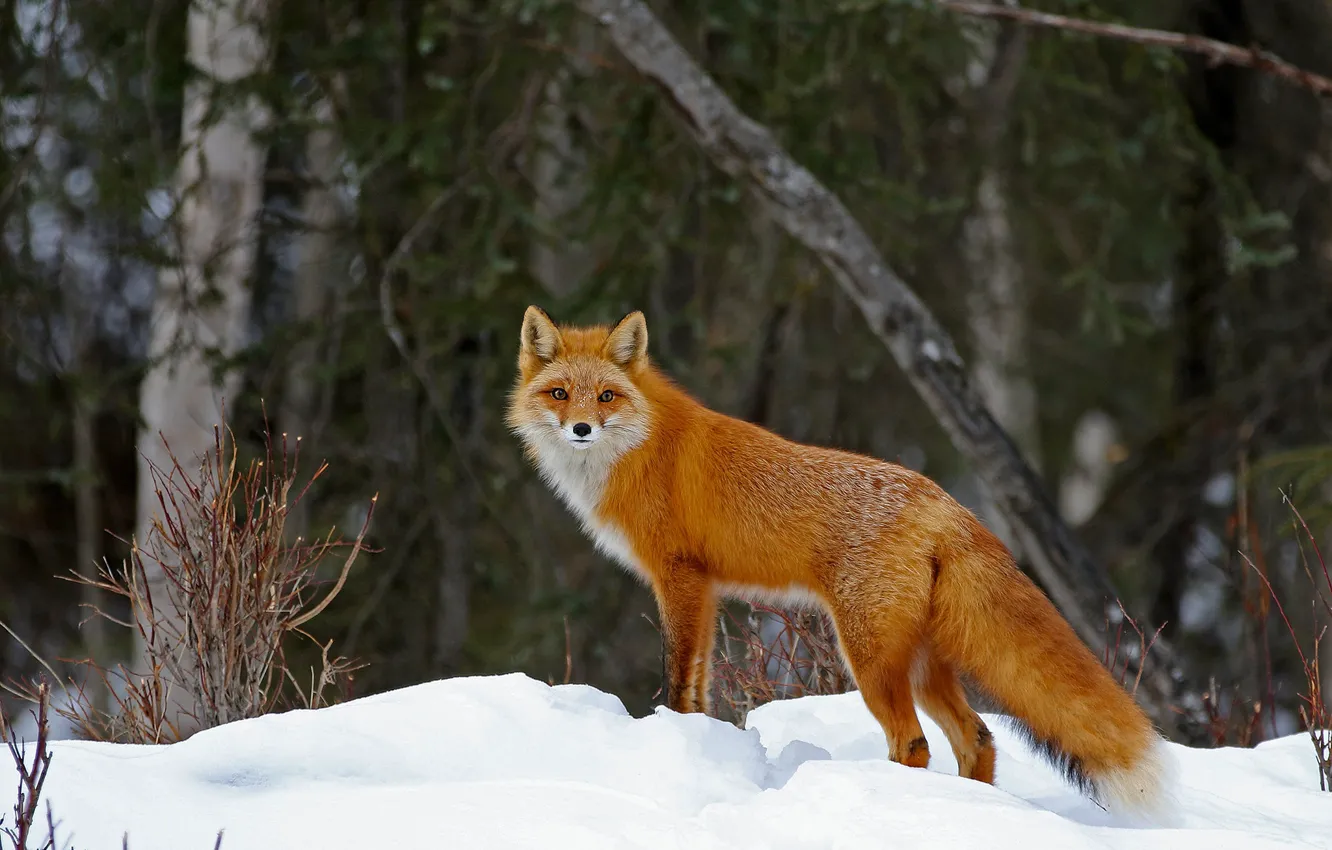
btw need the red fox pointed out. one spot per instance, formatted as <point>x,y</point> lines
<point>700,505</point>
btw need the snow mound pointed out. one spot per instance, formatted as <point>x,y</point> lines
<point>508,762</point>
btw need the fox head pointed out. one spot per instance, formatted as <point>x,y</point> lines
<point>577,388</point>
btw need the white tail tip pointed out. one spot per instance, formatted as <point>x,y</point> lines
<point>1142,794</point>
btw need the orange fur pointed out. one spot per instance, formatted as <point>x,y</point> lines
<point>699,504</point>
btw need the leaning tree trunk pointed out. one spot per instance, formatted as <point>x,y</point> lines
<point>816,218</point>
<point>203,300</point>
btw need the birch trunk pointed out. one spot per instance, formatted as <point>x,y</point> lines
<point>1085,481</point>
<point>997,314</point>
<point>321,265</point>
<point>203,299</point>
<point>997,302</point>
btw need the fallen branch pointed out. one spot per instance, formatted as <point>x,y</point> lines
<point>1216,52</point>
<point>815,217</point>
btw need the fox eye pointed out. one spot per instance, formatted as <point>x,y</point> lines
<point>559,394</point>
<point>606,396</point>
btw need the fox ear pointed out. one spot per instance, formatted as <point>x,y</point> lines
<point>540,337</point>
<point>628,341</point>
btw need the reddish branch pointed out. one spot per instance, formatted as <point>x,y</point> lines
<point>801,659</point>
<point>30,779</point>
<point>1316,711</point>
<point>1217,52</point>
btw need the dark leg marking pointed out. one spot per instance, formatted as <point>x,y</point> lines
<point>983,736</point>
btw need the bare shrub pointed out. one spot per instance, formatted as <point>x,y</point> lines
<point>798,656</point>
<point>32,780</point>
<point>31,777</point>
<point>1225,719</point>
<point>1232,720</point>
<point>235,592</point>
<point>1315,712</point>
<point>1119,657</point>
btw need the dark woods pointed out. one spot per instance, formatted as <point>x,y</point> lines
<point>1131,249</point>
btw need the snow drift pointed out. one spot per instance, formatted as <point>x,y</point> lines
<point>507,761</point>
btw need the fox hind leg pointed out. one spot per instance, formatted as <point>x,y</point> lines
<point>879,651</point>
<point>939,694</point>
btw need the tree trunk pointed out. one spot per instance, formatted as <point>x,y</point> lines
<point>202,303</point>
<point>559,259</point>
<point>996,302</point>
<point>997,314</point>
<point>814,216</point>
<point>1198,292</point>
<point>322,264</point>
<point>88,521</point>
<point>458,510</point>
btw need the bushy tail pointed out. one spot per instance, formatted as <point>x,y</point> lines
<point>992,622</point>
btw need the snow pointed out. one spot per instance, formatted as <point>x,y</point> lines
<point>508,761</point>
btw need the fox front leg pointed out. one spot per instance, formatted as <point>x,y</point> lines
<point>684,604</point>
<point>703,656</point>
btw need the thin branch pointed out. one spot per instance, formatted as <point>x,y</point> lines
<point>1216,52</point>
<point>401,253</point>
<point>346,568</point>
<point>30,779</point>
<point>40,660</point>
<point>568,652</point>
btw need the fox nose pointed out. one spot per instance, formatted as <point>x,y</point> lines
<point>582,429</point>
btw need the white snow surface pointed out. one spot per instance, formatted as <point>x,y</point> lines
<point>510,762</point>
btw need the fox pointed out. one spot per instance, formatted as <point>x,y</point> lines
<point>702,506</point>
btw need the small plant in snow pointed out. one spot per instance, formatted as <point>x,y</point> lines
<point>31,778</point>
<point>231,591</point>
<point>774,653</point>
<point>1315,712</point>
<point>1118,654</point>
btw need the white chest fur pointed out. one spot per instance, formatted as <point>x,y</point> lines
<point>579,478</point>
